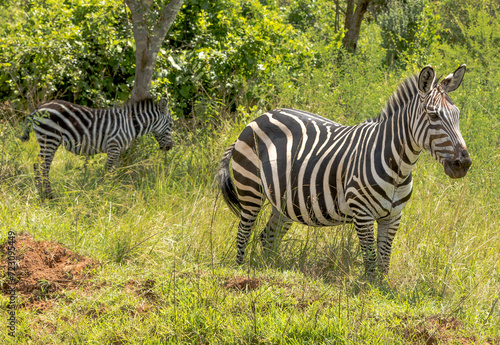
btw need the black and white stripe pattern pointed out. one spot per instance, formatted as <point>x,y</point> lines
<point>320,173</point>
<point>86,131</point>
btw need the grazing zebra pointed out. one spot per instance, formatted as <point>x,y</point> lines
<point>86,131</point>
<point>320,173</point>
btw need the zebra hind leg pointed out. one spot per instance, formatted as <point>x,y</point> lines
<point>38,179</point>
<point>247,222</point>
<point>113,158</point>
<point>42,182</point>
<point>276,227</point>
<point>48,148</point>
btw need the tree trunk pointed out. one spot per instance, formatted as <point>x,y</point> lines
<point>148,41</point>
<point>352,24</point>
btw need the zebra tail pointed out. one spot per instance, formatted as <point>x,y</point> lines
<point>226,183</point>
<point>28,127</point>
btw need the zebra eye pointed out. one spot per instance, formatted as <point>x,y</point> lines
<point>433,114</point>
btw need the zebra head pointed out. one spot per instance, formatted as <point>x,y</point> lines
<point>163,128</point>
<point>438,122</point>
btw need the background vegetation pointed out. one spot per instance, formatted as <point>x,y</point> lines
<point>159,218</point>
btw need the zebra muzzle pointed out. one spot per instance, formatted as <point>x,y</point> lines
<point>167,147</point>
<point>458,166</point>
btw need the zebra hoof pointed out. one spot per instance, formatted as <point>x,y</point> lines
<point>371,276</point>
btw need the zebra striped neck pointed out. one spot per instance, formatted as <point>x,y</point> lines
<point>143,115</point>
<point>397,117</point>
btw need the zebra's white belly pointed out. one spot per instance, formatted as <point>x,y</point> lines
<point>310,214</point>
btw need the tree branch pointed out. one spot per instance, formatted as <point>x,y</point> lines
<point>167,16</point>
<point>353,20</point>
<point>148,41</point>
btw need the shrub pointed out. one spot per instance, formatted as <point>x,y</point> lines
<point>221,54</point>
<point>473,26</point>
<point>78,50</point>
<point>409,28</point>
<point>218,55</point>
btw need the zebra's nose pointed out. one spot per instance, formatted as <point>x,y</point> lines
<point>463,161</point>
<point>167,146</point>
<point>459,165</point>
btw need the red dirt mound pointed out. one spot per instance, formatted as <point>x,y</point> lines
<point>43,267</point>
<point>438,329</point>
<point>242,284</point>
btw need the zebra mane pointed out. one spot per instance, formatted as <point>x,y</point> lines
<point>130,103</point>
<point>404,94</point>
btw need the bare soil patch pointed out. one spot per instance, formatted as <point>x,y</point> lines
<point>42,269</point>
<point>242,284</point>
<point>144,289</point>
<point>437,329</point>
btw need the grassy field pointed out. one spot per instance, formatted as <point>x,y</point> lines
<point>165,243</point>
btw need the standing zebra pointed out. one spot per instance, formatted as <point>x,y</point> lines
<point>86,131</point>
<point>320,173</point>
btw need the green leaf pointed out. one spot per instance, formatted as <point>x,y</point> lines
<point>174,65</point>
<point>185,91</point>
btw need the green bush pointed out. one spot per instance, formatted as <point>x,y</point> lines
<point>76,50</point>
<point>408,30</point>
<point>217,56</point>
<point>472,28</point>
<point>225,55</point>
<point>222,54</point>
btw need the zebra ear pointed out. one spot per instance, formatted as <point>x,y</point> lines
<point>426,79</point>
<point>163,106</point>
<point>453,81</point>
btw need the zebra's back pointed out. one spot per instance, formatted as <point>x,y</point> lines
<point>82,130</point>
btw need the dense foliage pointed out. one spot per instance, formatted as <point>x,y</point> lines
<point>222,54</point>
<point>80,51</point>
<point>409,28</point>
<point>219,53</point>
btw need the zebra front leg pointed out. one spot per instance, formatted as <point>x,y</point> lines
<point>386,232</point>
<point>276,227</point>
<point>364,229</point>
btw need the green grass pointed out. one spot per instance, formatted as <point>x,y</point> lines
<point>166,243</point>
<point>159,218</point>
